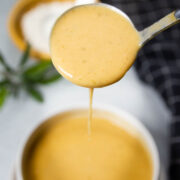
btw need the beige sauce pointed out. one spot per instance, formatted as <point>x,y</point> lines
<point>93,46</point>
<point>90,110</point>
<point>65,153</point>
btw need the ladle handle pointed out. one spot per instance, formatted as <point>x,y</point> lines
<point>161,25</point>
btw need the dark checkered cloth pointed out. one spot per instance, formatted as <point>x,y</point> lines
<point>158,63</point>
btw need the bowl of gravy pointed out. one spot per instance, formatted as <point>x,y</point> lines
<point>61,148</point>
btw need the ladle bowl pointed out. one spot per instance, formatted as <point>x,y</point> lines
<point>99,81</point>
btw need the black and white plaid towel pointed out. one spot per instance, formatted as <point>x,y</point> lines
<point>158,63</point>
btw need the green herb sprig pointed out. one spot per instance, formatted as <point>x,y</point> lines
<point>28,78</point>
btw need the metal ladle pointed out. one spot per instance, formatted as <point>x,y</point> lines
<point>145,35</point>
<point>161,25</point>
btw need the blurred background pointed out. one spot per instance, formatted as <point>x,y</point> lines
<point>20,114</point>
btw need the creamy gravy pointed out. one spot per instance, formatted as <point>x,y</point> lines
<point>65,153</point>
<point>93,46</point>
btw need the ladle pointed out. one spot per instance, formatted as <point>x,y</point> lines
<point>100,80</point>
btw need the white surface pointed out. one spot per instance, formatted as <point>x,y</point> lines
<point>18,116</point>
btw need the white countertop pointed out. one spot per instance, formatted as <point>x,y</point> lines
<point>19,115</point>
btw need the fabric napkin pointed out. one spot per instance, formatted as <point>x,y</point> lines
<point>158,63</point>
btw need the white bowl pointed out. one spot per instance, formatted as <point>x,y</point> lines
<point>124,119</point>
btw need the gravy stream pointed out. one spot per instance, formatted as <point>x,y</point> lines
<point>93,46</point>
<point>91,90</point>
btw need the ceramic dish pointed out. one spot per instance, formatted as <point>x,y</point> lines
<point>124,119</point>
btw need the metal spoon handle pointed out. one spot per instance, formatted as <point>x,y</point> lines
<point>161,25</point>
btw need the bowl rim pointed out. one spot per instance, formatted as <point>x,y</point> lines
<point>131,119</point>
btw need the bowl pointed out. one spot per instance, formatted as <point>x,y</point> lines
<point>122,118</point>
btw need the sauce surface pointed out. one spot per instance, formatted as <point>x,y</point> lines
<point>93,46</point>
<point>65,152</point>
